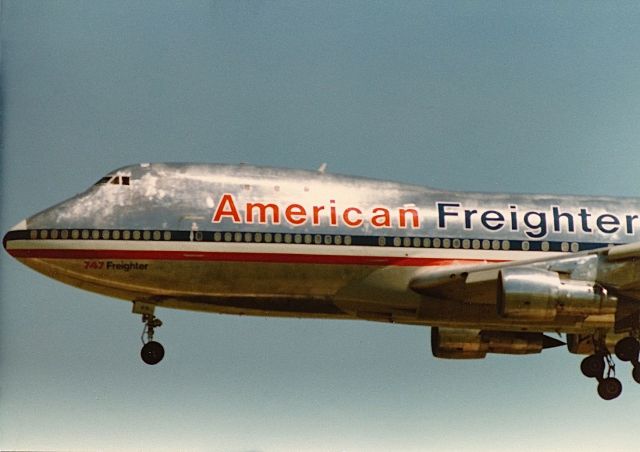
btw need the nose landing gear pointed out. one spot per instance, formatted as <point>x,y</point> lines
<point>152,352</point>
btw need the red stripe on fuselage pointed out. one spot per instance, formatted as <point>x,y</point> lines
<point>237,257</point>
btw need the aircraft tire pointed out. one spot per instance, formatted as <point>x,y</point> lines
<point>609,388</point>
<point>627,349</point>
<point>592,366</point>
<point>636,374</point>
<point>152,353</point>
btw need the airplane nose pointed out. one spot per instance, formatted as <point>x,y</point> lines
<point>12,234</point>
<point>22,226</point>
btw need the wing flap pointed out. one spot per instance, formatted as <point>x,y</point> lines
<point>622,252</point>
<point>615,266</point>
<point>474,284</point>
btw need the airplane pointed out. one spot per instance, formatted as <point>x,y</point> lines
<point>489,273</point>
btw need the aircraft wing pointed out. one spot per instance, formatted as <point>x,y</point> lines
<point>614,269</point>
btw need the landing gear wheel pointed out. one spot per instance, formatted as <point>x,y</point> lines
<point>152,352</point>
<point>627,349</point>
<point>636,374</point>
<point>609,388</point>
<point>593,366</point>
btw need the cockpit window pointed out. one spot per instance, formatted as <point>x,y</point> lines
<point>115,180</point>
<point>104,180</point>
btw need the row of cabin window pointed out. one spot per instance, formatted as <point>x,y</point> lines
<point>317,239</point>
<point>268,237</point>
<point>406,242</point>
<point>475,244</point>
<point>96,234</point>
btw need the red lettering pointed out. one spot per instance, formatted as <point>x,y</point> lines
<point>333,217</point>
<point>316,214</point>
<point>298,214</point>
<point>415,222</point>
<point>262,212</point>
<point>348,221</point>
<point>226,208</point>
<point>295,214</point>
<point>382,219</point>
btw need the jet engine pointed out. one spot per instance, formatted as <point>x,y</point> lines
<point>536,294</point>
<point>459,343</point>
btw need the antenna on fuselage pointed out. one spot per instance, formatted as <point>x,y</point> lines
<point>322,168</point>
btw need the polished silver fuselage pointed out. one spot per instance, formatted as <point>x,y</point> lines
<point>241,239</point>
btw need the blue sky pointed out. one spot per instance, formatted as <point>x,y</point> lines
<point>466,95</point>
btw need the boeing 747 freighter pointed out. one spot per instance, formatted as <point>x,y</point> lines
<point>489,273</point>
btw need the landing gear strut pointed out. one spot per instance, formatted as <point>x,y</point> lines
<point>152,352</point>
<point>600,366</point>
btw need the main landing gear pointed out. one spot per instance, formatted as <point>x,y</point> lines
<point>152,352</point>
<point>627,350</point>
<point>600,365</point>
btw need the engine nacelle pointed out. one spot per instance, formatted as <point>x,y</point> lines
<point>459,343</point>
<point>536,294</point>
